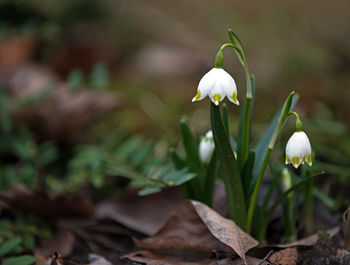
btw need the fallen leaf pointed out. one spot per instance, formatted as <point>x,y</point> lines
<point>225,230</point>
<point>55,259</point>
<point>98,260</point>
<point>288,256</point>
<point>151,258</point>
<point>184,231</point>
<point>47,205</point>
<point>61,242</point>
<point>249,260</point>
<point>308,241</point>
<point>16,50</point>
<point>146,214</point>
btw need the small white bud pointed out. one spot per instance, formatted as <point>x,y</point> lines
<point>206,147</point>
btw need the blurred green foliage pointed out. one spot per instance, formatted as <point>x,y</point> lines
<point>133,158</point>
<point>23,158</point>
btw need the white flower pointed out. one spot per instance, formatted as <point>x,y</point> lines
<point>298,149</point>
<point>206,147</point>
<point>217,83</point>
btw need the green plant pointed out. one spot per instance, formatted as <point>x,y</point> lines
<point>17,237</point>
<point>24,160</point>
<point>117,156</point>
<point>242,167</point>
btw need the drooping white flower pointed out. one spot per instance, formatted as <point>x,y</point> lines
<point>206,147</point>
<point>217,83</point>
<point>298,149</point>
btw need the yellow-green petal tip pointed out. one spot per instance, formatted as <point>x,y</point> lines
<point>197,96</point>
<point>295,161</point>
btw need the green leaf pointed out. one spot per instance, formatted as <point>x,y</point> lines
<point>236,41</point>
<point>247,173</point>
<point>244,130</point>
<point>263,144</point>
<point>141,153</point>
<point>179,163</point>
<point>21,260</point>
<point>149,190</point>
<point>225,118</point>
<point>229,169</point>
<point>192,155</point>
<point>9,246</point>
<point>75,79</point>
<point>193,161</point>
<point>209,185</point>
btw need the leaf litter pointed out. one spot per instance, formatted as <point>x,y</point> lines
<point>189,232</point>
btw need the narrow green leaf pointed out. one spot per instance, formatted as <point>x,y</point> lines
<point>179,163</point>
<point>9,245</point>
<point>229,169</point>
<point>247,173</point>
<point>141,153</point>
<point>225,118</point>
<point>192,155</point>
<point>190,146</point>
<point>236,41</point>
<point>209,185</point>
<point>21,260</point>
<point>244,130</point>
<point>330,203</point>
<point>149,190</point>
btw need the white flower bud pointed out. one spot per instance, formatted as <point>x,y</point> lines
<point>206,147</point>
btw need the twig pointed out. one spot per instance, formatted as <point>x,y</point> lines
<point>266,257</point>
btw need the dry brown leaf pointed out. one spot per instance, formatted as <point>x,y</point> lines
<point>184,231</point>
<point>150,258</point>
<point>62,242</point>
<point>308,241</point>
<point>146,214</point>
<point>98,260</point>
<point>250,261</point>
<point>48,205</point>
<point>225,229</point>
<point>288,256</point>
<point>15,51</point>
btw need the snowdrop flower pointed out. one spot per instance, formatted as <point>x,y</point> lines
<point>217,84</point>
<point>206,147</point>
<point>298,149</point>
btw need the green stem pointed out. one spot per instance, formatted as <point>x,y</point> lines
<point>255,194</point>
<point>288,207</point>
<point>246,132</point>
<point>290,220</point>
<point>298,123</point>
<point>308,210</point>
